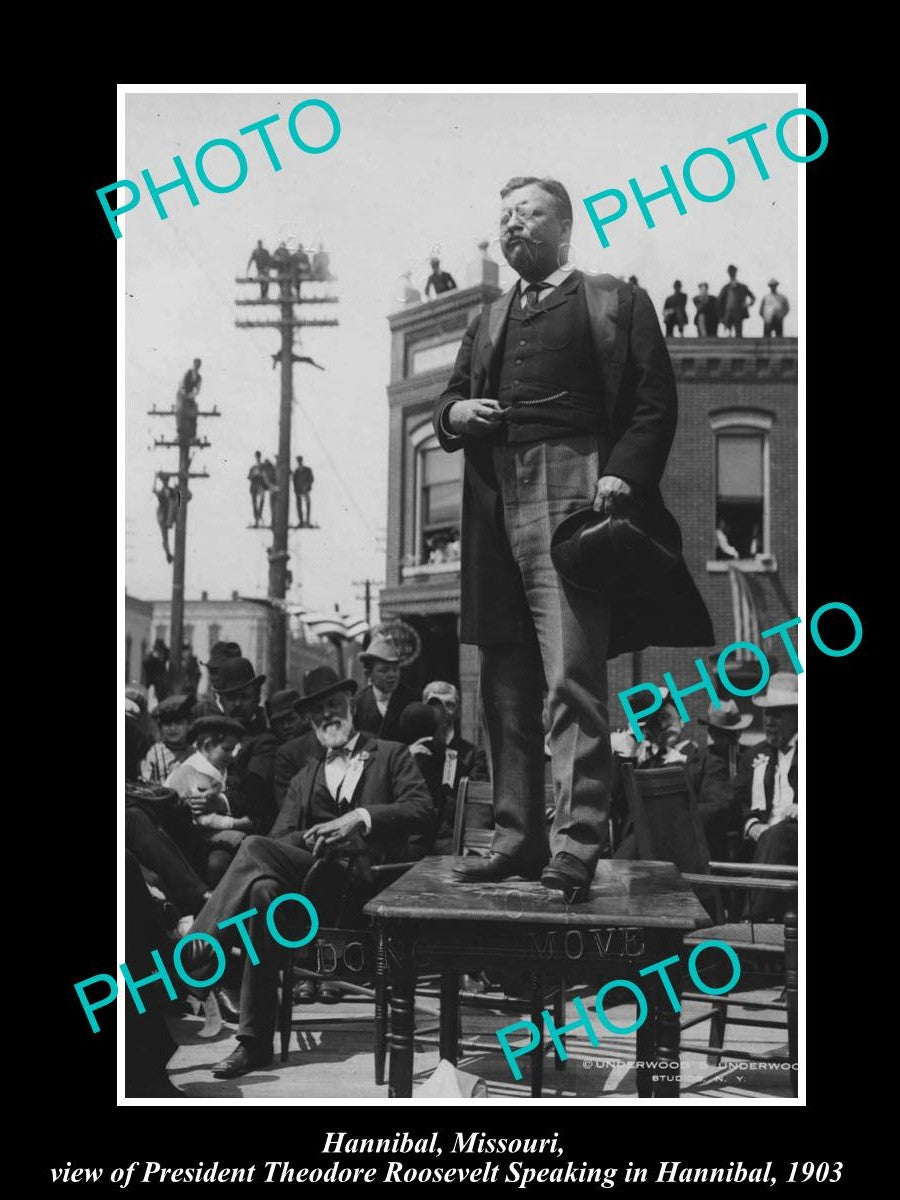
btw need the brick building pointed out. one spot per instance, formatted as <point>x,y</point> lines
<point>734,462</point>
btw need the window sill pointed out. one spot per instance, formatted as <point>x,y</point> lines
<point>767,564</point>
<point>443,568</point>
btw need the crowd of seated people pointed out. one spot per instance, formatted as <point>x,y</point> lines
<point>746,790</point>
<point>236,802</point>
<point>233,798</point>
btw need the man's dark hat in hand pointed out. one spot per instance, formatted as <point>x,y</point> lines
<point>597,553</point>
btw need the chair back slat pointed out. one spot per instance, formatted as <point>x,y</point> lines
<point>474,818</point>
<point>667,824</point>
<point>473,822</point>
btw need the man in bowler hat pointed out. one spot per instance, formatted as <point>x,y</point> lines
<point>355,805</point>
<point>238,690</point>
<point>562,398</point>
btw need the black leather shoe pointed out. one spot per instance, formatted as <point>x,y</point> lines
<point>567,874</point>
<point>229,1006</point>
<point>494,868</point>
<point>243,1060</point>
<point>305,992</point>
<point>330,993</point>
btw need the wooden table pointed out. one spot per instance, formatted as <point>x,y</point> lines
<point>636,915</point>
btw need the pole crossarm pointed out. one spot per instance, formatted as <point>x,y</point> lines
<point>173,412</point>
<point>199,443</point>
<point>301,300</point>
<point>285,324</point>
<point>277,279</point>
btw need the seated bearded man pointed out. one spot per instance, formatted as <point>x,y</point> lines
<point>354,805</point>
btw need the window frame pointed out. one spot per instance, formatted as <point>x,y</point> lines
<point>422,439</point>
<point>743,421</point>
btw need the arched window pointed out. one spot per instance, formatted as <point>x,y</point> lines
<point>742,530</point>
<point>438,497</point>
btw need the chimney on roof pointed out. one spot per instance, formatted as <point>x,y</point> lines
<point>482,269</point>
<point>204,595</point>
<point>234,595</point>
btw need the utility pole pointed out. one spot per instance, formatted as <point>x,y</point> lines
<point>185,413</point>
<point>278,554</point>
<point>366,597</point>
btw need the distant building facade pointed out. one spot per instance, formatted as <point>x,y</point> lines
<point>734,462</point>
<point>138,626</point>
<point>243,621</point>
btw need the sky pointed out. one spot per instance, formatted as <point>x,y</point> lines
<point>409,174</point>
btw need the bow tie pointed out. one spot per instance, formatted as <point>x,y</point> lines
<point>337,752</point>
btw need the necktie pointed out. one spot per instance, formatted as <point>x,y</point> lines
<point>337,752</point>
<point>532,294</point>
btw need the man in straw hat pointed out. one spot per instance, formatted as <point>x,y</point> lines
<point>380,703</point>
<point>355,805</point>
<point>562,399</point>
<point>766,784</point>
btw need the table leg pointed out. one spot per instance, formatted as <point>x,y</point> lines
<point>791,950</point>
<point>403,997</point>
<point>645,1043</point>
<point>449,1035</point>
<point>381,1004</point>
<point>536,1057</point>
<point>286,1007</point>
<point>668,1037</point>
<point>559,1019</point>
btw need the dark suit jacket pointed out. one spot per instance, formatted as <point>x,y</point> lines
<point>471,762</point>
<point>391,788</point>
<point>251,777</point>
<point>290,758</point>
<point>636,386</point>
<point>743,783</point>
<point>368,719</point>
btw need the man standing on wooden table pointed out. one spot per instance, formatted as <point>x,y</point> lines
<point>563,401</point>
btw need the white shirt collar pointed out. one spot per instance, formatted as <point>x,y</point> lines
<point>554,280</point>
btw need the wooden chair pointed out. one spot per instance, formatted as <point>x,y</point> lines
<point>342,956</point>
<point>668,828</point>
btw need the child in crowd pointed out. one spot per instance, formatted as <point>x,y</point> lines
<point>202,781</point>
<point>172,717</point>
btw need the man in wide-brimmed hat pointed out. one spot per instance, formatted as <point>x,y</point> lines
<point>766,784</point>
<point>238,690</point>
<point>380,703</point>
<point>356,804</point>
<point>562,398</point>
<point>713,770</point>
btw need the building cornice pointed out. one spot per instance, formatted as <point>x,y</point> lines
<point>734,360</point>
<point>429,314</point>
